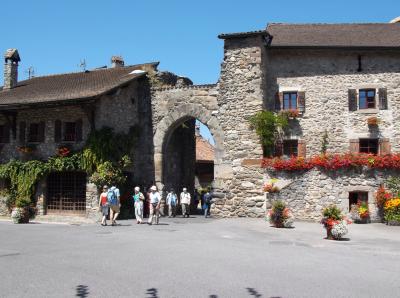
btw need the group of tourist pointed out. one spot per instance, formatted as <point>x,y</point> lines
<point>109,202</point>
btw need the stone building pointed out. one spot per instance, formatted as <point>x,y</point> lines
<point>336,76</point>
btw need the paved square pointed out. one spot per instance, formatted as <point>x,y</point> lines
<point>197,258</point>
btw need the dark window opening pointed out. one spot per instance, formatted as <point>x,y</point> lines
<point>33,135</point>
<point>290,148</point>
<point>289,100</point>
<point>70,131</point>
<point>369,146</point>
<point>357,197</point>
<point>366,99</point>
<point>2,134</point>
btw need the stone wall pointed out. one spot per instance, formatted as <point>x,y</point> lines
<point>241,94</point>
<point>308,193</point>
<point>325,76</point>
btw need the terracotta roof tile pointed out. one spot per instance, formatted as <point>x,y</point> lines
<point>204,150</point>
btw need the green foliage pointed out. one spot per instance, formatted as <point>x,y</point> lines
<point>278,206</point>
<point>268,126</point>
<point>393,184</point>
<point>104,157</point>
<point>332,212</point>
<point>325,142</point>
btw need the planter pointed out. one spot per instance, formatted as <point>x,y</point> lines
<point>363,221</point>
<point>20,215</point>
<point>393,223</point>
<point>329,235</point>
<point>279,225</point>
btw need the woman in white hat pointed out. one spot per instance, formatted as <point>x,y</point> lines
<point>155,201</point>
<point>138,199</point>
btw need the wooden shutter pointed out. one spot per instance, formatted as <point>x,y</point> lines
<point>6,136</point>
<point>354,145</point>
<point>301,148</point>
<point>278,101</point>
<point>301,101</point>
<point>278,148</point>
<point>78,130</point>
<point>41,132</point>
<point>22,132</point>
<point>352,99</point>
<point>57,131</point>
<point>383,103</point>
<point>384,146</point>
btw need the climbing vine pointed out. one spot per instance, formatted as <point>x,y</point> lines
<point>269,127</point>
<point>104,157</point>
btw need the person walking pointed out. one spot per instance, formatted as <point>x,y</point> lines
<point>172,201</point>
<point>113,198</point>
<point>185,202</point>
<point>138,199</point>
<point>207,204</point>
<point>103,205</point>
<point>155,201</point>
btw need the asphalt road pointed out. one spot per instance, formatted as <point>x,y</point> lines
<point>197,258</point>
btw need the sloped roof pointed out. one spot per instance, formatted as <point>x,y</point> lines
<point>70,86</point>
<point>378,35</point>
<point>362,35</point>
<point>204,150</point>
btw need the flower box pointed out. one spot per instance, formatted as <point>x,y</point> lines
<point>373,121</point>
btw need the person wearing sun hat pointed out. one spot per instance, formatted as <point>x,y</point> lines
<point>155,201</point>
<point>185,202</point>
<point>138,199</point>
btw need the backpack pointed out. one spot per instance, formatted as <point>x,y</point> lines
<point>207,199</point>
<point>112,197</point>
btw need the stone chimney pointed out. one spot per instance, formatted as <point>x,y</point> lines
<point>11,59</point>
<point>117,61</point>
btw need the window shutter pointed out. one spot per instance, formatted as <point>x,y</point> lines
<point>301,148</point>
<point>6,138</point>
<point>301,101</point>
<point>383,104</point>
<point>41,132</point>
<point>278,148</point>
<point>384,146</point>
<point>278,101</point>
<point>352,99</point>
<point>354,146</point>
<point>57,131</point>
<point>78,131</point>
<point>22,132</point>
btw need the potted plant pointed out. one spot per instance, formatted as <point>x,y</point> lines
<point>23,211</point>
<point>392,212</point>
<point>360,212</point>
<point>334,223</point>
<point>373,121</point>
<point>280,215</point>
<point>63,151</point>
<point>270,187</point>
<point>291,113</point>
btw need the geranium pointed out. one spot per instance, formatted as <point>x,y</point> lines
<point>270,186</point>
<point>63,151</point>
<point>382,196</point>
<point>291,113</point>
<point>280,215</point>
<point>363,210</point>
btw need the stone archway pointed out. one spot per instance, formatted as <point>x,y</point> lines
<point>170,122</point>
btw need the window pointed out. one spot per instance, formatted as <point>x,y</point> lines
<point>33,132</point>
<point>290,147</point>
<point>70,131</point>
<point>366,98</point>
<point>369,146</point>
<point>356,197</point>
<point>289,100</point>
<point>4,134</point>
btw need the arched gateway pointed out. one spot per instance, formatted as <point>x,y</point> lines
<point>184,106</point>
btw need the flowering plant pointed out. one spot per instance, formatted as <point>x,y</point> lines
<point>373,121</point>
<point>291,113</point>
<point>26,149</point>
<point>382,196</point>
<point>334,222</point>
<point>363,210</point>
<point>334,162</point>
<point>63,151</point>
<point>392,210</point>
<point>271,187</point>
<point>280,215</point>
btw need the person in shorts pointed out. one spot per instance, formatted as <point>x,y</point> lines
<point>155,201</point>
<point>103,205</point>
<point>113,198</point>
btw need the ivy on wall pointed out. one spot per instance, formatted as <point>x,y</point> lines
<point>104,157</point>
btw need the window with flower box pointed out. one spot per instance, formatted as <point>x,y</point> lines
<point>290,100</point>
<point>289,148</point>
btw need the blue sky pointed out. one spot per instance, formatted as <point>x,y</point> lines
<point>54,36</point>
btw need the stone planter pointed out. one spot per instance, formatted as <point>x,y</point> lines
<point>363,221</point>
<point>393,223</point>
